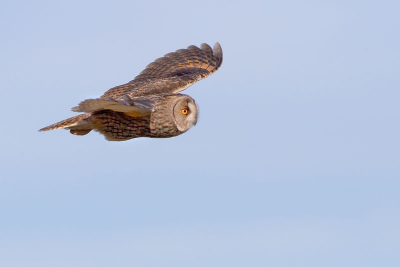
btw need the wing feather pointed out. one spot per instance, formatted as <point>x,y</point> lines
<point>172,73</point>
<point>133,108</point>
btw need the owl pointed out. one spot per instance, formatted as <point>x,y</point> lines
<point>150,105</point>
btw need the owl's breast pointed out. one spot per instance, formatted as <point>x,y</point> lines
<point>162,125</point>
<point>117,126</point>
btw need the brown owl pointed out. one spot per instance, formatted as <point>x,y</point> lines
<point>149,105</point>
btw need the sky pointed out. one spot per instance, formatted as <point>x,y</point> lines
<point>295,159</point>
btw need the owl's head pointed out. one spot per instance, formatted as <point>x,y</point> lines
<point>185,112</point>
<point>172,114</point>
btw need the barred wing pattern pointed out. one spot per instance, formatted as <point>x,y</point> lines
<point>172,73</point>
<point>149,105</point>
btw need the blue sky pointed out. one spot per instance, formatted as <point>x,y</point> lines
<point>295,159</point>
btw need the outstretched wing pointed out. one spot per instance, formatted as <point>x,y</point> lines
<point>131,107</point>
<point>172,73</point>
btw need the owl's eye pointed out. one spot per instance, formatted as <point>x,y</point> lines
<point>184,111</point>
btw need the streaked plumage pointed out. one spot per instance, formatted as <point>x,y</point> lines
<point>149,105</point>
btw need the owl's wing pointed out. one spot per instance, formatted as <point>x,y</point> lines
<point>172,73</point>
<point>134,108</point>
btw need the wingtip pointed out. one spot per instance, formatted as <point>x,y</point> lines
<point>45,129</point>
<point>205,47</point>
<point>217,50</point>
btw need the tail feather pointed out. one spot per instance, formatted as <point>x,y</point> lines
<point>79,125</point>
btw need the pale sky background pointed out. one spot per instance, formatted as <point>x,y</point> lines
<point>295,160</point>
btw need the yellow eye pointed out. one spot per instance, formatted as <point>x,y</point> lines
<point>184,111</point>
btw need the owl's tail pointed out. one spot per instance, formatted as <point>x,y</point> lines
<point>78,125</point>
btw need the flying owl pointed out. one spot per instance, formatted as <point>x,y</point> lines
<point>149,105</point>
